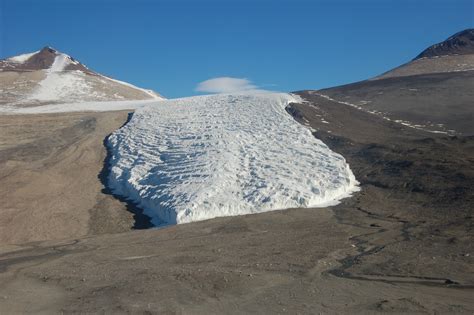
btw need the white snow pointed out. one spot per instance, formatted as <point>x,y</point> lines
<point>60,63</point>
<point>22,58</point>
<point>202,157</point>
<point>77,107</point>
<point>59,84</point>
<point>71,86</point>
<point>62,85</point>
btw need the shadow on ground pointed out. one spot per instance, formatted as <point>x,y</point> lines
<point>141,220</point>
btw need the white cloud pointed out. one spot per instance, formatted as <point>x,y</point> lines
<point>225,85</point>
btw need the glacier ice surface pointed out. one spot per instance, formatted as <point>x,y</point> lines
<point>197,158</point>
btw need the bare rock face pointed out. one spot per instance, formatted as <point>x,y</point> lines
<point>50,76</point>
<point>461,43</point>
<point>40,60</point>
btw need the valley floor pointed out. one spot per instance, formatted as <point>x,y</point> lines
<point>49,168</point>
<point>402,244</point>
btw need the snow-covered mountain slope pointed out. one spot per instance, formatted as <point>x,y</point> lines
<point>202,157</point>
<point>21,58</point>
<point>48,76</point>
<point>76,107</point>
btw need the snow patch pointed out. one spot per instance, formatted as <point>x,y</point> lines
<point>76,107</point>
<point>22,58</point>
<point>71,86</point>
<point>203,157</point>
<point>60,63</point>
<point>62,85</point>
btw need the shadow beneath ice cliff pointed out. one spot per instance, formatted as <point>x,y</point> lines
<point>142,221</point>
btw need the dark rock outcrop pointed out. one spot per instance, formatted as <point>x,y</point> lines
<point>461,43</point>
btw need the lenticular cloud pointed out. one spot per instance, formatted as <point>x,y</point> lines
<point>202,157</point>
<point>225,85</point>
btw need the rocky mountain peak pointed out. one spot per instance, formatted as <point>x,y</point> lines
<point>461,43</point>
<point>40,60</point>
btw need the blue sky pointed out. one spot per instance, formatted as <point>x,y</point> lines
<point>171,46</point>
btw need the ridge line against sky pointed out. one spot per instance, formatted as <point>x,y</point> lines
<point>172,46</point>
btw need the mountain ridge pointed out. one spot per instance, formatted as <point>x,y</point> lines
<point>461,43</point>
<point>48,76</point>
<point>454,54</point>
<point>433,94</point>
<point>40,60</point>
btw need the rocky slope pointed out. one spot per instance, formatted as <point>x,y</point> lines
<point>432,93</point>
<point>461,43</point>
<point>49,76</point>
<point>454,54</point>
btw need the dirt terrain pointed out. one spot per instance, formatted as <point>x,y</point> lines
<point>49,185</point>
<point>420,181</point>
<point>402,244</point>
<point>438,64</point>
<point>437,101</point>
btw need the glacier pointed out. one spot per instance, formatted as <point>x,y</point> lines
<point>202,157</point>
